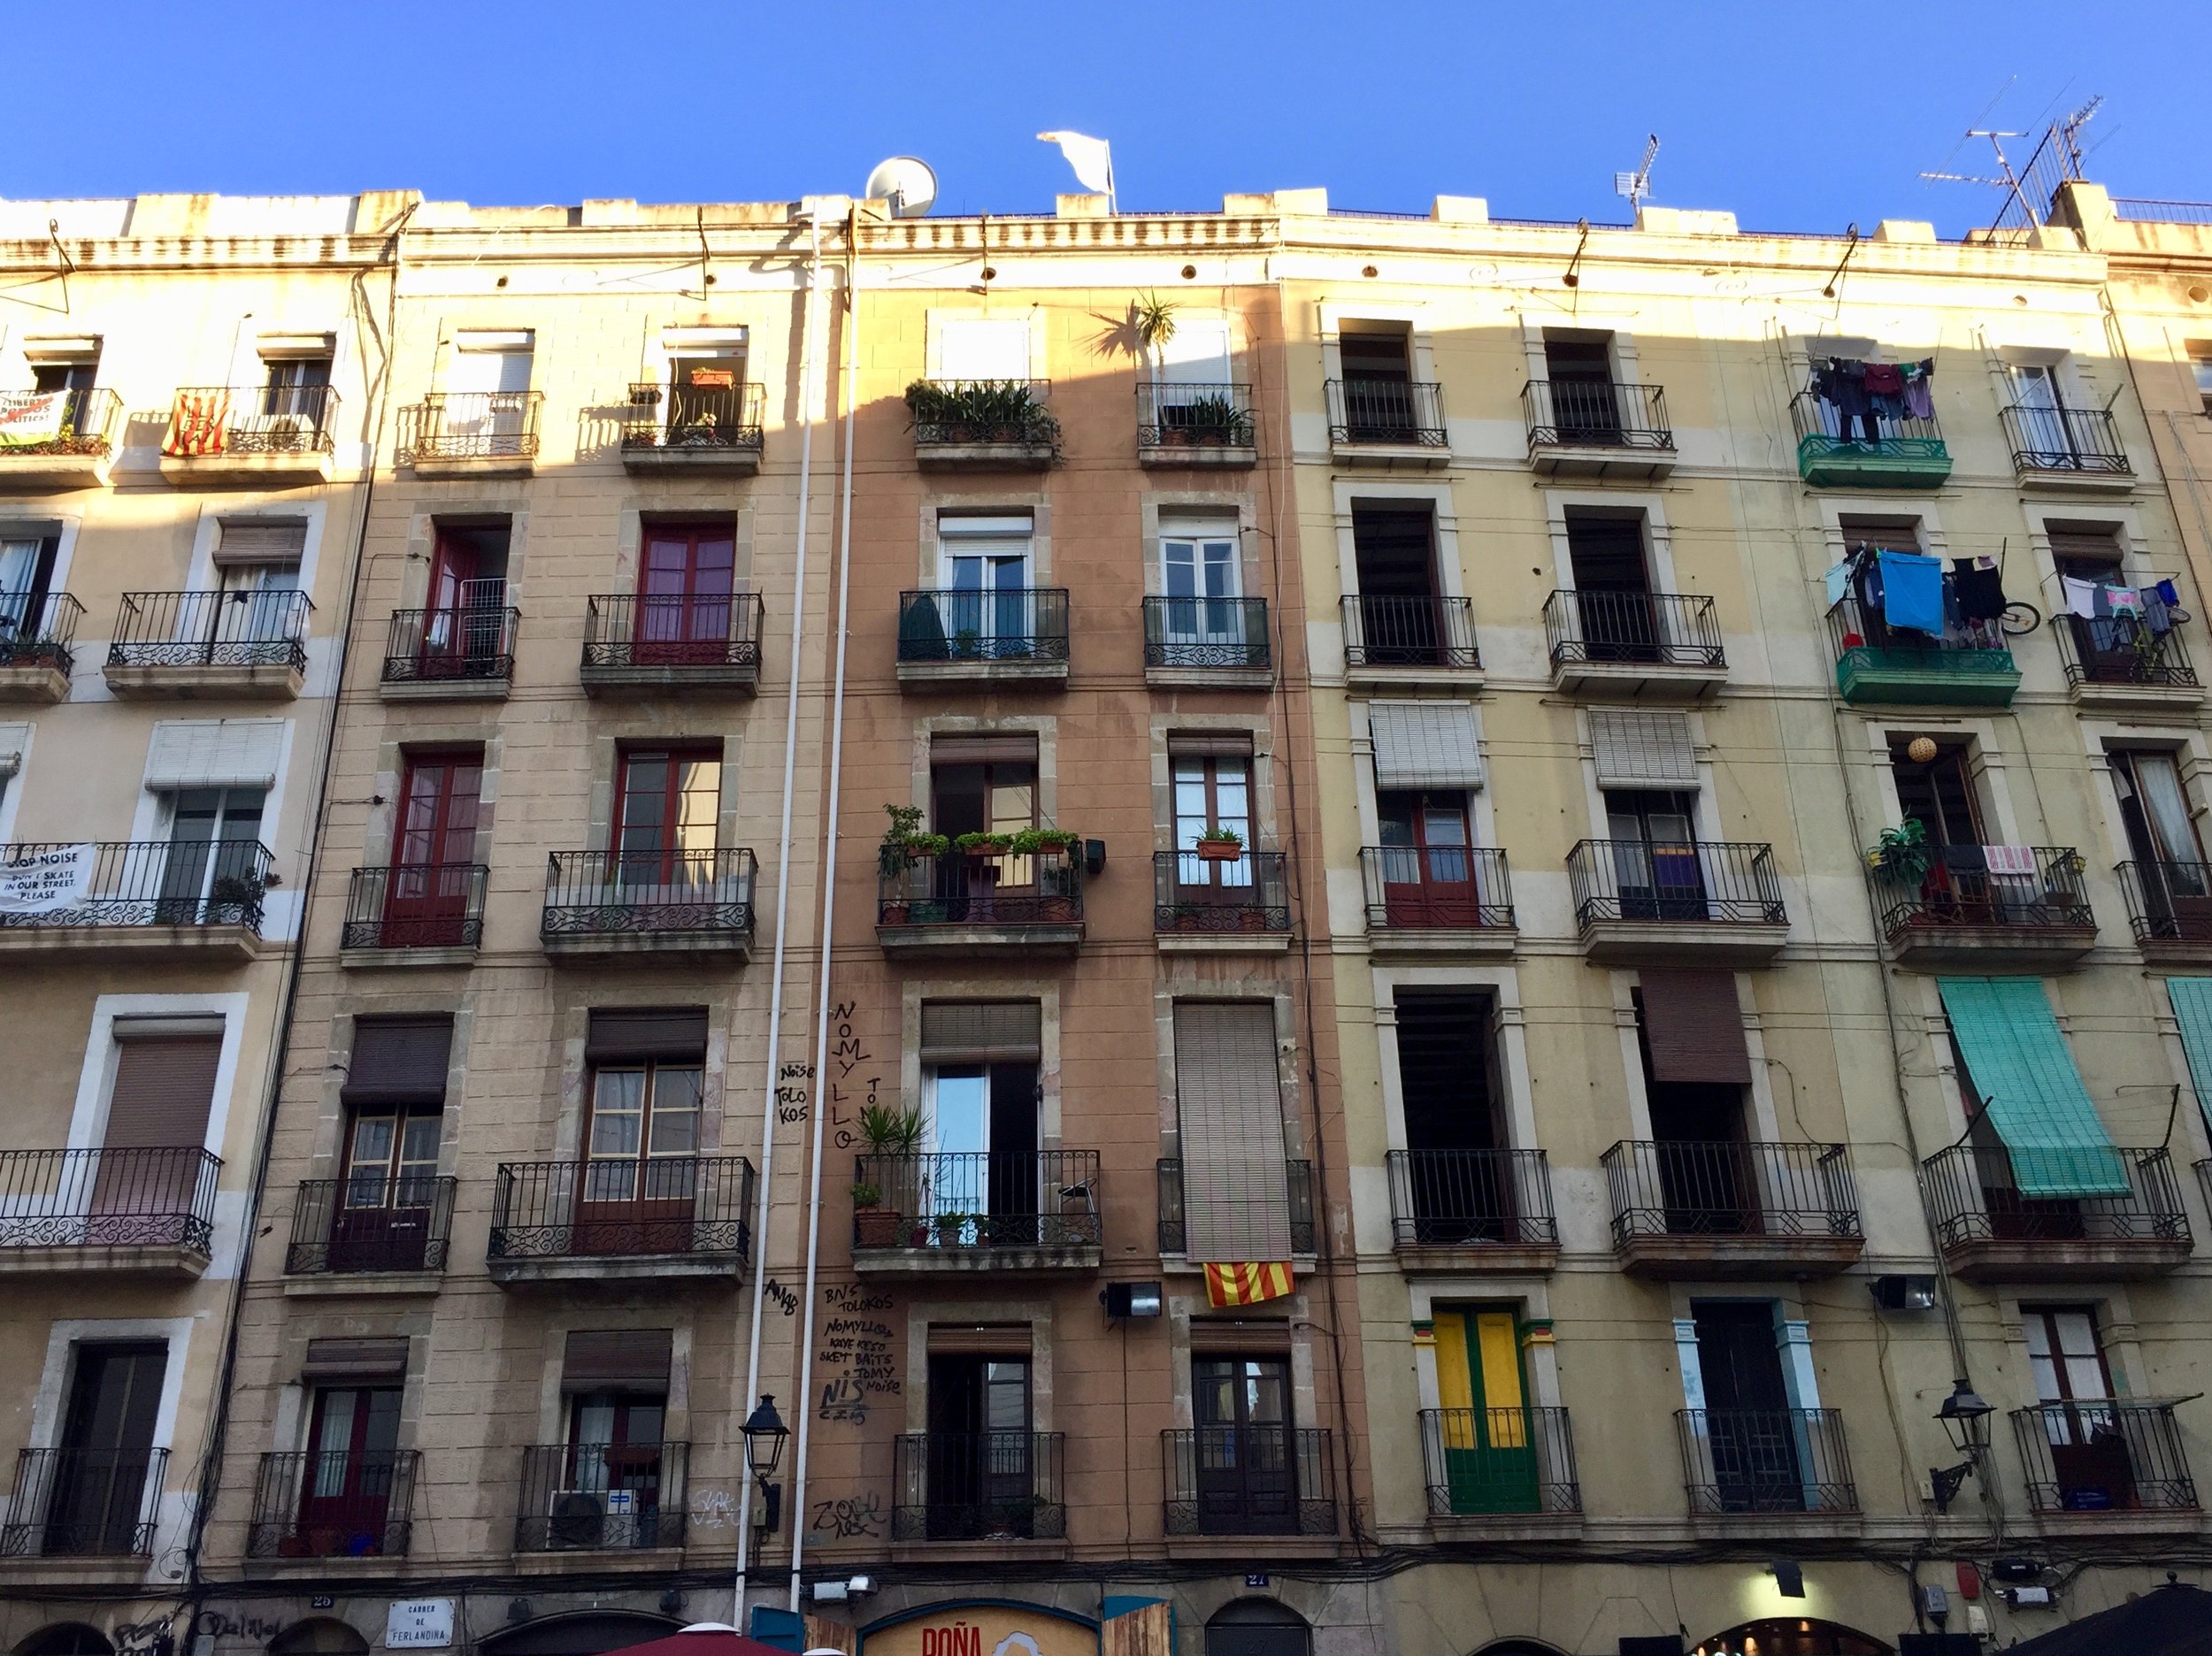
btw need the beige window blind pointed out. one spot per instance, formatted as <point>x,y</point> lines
<point>657,1034</point>
<point>1884,535</point>
<point>981,1339</point>
<point>1209,744</point>
<point>214,753</point>
<point>980,1031</point>
<point>616,1360</point>
<point>399,1061</point>
<point>988,748</point>
<point>1636,749</point>
<point>359,1358</point>
<point>1426,745</point>
<point>261,540</point>
<point>1236,1190</point>
<point>164,1085</point>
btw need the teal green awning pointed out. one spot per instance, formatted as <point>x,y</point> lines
<point>2033,1095</point>
<point>2192,1010</point>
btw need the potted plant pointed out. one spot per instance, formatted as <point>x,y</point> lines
<point>904,843</point>
<point>874,1225</point>
<point>1030,841</point>
<point>891,1136</point>
<point>235,898</point>
<point>1903,850</point>
<point>951,1228</point>
<point>979,845</point>
<point>967,644</point>
<point>1217,844</point>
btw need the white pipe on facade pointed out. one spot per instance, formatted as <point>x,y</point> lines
<point>783,896</point>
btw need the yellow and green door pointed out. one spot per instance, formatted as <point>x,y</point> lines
<point>1485,1424</point>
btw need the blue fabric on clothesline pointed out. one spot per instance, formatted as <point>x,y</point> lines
<point>1912,591</point>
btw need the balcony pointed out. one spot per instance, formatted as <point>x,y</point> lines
<point>1395,422</point>
<point>270,435</point>
<point>2170,909</point>
<point>1500,1464</point>
<point>368,1228</point>
<point>1990,1233</point>
<point>1207,643</point>
<point>1595,428</point>
<point>1876,666</point>
<point>645,644</point>
<point>1903,453</point>
<point>959,637</point>
<point>186,899</point>
<point>471,433</point>
<point>1202,905</point>
<point>1453,900</point>
<point>1249,1480</point>
<point>2066,449</point>
<point>644,906</point>
<point>621,1219</point>
<point>1473,1209</point>
<point>53,441</point>
<point>962,1212</point>
<point>983,425</point>
<point>1389,638</point>
<point>983,903</point>
<point>1634,643</point>
<point>461,654</point>
<point>2120,663</point>
<point>2090,1459</point>
<point>331,1504</point>
<point>700,431</point>
<point>1941,907</point>
<point>980,1486</point>
<point>1766,1463</point>
<point>416,914</point>
<point>1731,1211</point>
<point>149,1212</point>
<point>37,641</point>
<point>1211,426</point>
<point>602,1498</point>
<point>1711,903</point>
<point>84,1503</point>
<point>1298,1178</point>
<point>241,645</point>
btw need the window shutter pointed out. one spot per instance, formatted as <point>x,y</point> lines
<point>164,1085</point>
<point>2086,540</point>
<point>975,1031</point>
<point>399,1061</point>
<point>665,1034</point>
<point>1196,354</point>
<point>981,1339</point>
<point>1640,749</point>
<point>1426,745</point>
<point>2032,1093</point>
<point>261,540</point>
<point>972,348</point>
<point>616,1360</point>
<point>1884,535</point>
<point>214,753</point>
<point>985,748</point>
<point>1239,1336</point>
<point>1236,1188</point>
<point>356,1359</point>
<point>1693,1026</point>
<point>1209,744</point>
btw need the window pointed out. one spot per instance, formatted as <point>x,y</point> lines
<point>73,375</point>
<point>296,388</point>
<point>1489,1455</point>
<point>986,784</point>
<point>984,565</point>
<point>1428,870</point>
<point>1655,860</point>
<point>467,599</point>
<point>1212,792</point>
<point>1939,794</point>
<point>686,574</point>
<point>1379,396</point>
<point>1750,1427</point>
<point>1191,365</point>
<point>1579,372</point>
<point>27,570</point>
<point>2170,874</point>
<point>609,1480</point>
<point>1200,559</point>
<point>1697,1070</point>
<point>706,386</point>
<point>974,347</point>
<point>494,366</point>
<point>432,882</point>
<point>97,1493</point>
<point>147,1186</point>
<point>395,1096</point>
<point>669,814</point>
<point>1246,1451</point>
<point>258,573</point>
<point>1236,1194</point>
<point>2090,1461</point>
<point>212,873</point>
<point>353,1443</point>
<point>644,1113</point>
<point>1399,617</point>
<point>1454,1190</point>
<point>980,1096</point>
<point>2201,370</point>
<point>982,1474</point>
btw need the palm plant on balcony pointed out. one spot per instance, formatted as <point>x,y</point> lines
<point>1210,421</point>
<point>880,1207</point>
<point>980,411</point>
<point>1152,320</point>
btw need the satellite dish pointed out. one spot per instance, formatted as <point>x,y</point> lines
<point>906,183</point>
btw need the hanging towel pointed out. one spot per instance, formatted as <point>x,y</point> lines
<point>2157,615</point>
<point>1981,589</point>
<point>1912,591</point>
<point>2081,597</point>
<point>2123,598</point>
<point>1837,578</point>
<point>1920,390</point>
<point>1884,380</point>
<point>2168,593</point>
<point>2010,858</point>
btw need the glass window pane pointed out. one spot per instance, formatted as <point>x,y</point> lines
<point>617,1112</point>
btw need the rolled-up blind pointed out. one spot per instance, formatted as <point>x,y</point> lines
<point>1893,535</point>
<point>982,1030</point>
<point>2031,1093</point>
<point>636,1035</point>
<point>1693,1027</point>
<point>164,1085</point>
<point>1426,745</point>
<point>612,1360</point>
<point>1209,744</point>
<point>1236,1188</point>
<point>399,1061</point>
<point>1239,1336</point>
<point>261,540</point>
<point>377,1358</point>
<point>1635,749</point>
<point>214,753</point>
<point>981,1339</point>
<point>990,747</point>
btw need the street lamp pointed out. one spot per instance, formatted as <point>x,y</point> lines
<point>1965,1418</point>
<point>764,1432</point>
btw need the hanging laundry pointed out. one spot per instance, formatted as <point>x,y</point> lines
<point>1837,577</point>
<point>1885,390</point>
<point>1842,384</point>
<point>2158,615</point>
<point>2081,597</point>
<point>2168,593</point>
<point>1981,588</point>
<point>1920,388</point>
<point>1912,591</point>
<point>2017,859</point>
<point>2124,599</point>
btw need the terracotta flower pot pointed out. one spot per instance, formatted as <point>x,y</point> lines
<point>876,1227</point>
<point>1220,850</point>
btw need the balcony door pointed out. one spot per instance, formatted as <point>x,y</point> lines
<point>1583,405</point>
<point>467,618</point>
<point>687,576</point>
<point>610,1488</point>
<point>1400,622</point>
<point>639,1183</point>
<point>1753,1436</point>
<point>1246,1459</point>
<point>346,1487</point>
<point>2163,840</point>
<point>145,1193</point>
<point>426,898</point>
<point>2073,1383</point>
<point>258,607</point>
<point>982,796</point>
<point>211,873</point>
<point>1458,1191</point>
<point>1201,577</point>
<point>981,1174</point>
<point>106,1454</point>
<point>2045,431</point>
<point>1699,1129</point>
<point>1655,857</point>
<point>986,577</point>
<point>387,1188</point>
<point>706,399</point>
<point>1489,1459</point>
<point>671,806</point>
<point>1379,385</point>
<point>1428,864</point>
<point>1615,616</point>
<point>1212,792</point>
<point>27,570</point>
<point>982,1479</point>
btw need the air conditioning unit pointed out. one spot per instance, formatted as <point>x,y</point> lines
<point>577,1518</point>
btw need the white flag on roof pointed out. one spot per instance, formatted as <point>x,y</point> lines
<point>1092,159</point>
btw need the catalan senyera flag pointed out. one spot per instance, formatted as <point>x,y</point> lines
<point>198,424</point>
<point>1247,1285</point>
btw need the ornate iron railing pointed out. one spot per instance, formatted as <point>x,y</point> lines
<point>262,419</point>
<point>1596,413</point>
<point>416,905</point>
<point>1711,882</point>
<point>1249,1480</point>
<point>2084,440</point>
<point>670,630</point>
<point>430,646</point>
<point>1471,1199</point>
<point>1174,1233</point>
<point>1678,1188</point>
<point>160,1197</point>
<point>212,629</point>
<point>370,1224</point>
<point>1172,415</point>
<point>334,1503</point>
<point>1927,888</point>
<point>82,424</point>
<point>2104,1454</point>
<point>1228,633</point>
<point>84,1503</point>
<point>1483,1462</point>
<point>650,893</point>
<point>39,632</point>
<point>1765,1461</point>
<point>1414,888</point>
<point>471,426</point>
<point>980,1486</point>
<point>962,1201</point>
<point>1402,412</point>
<point>627,1208</point>
<point>1024,624</point>
<point>2125,649</point>
<point>1976,1197</point>
<point>115,883</point>
<point>2168,903</point>
<point>602,1498</point>
<point>1815,416</point>
<point>956,413</point>
<point>983,888</point>
<point>1420,630</point>
<point>1661,629</point>
<point>696,420</point>
<point>1192,893</point>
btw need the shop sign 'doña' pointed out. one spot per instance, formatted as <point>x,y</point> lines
<point>985,1630</point>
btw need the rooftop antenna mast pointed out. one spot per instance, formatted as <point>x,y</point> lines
<point>2059,151</point>
<point>1637,186</point>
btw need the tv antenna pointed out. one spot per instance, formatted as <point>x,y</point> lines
<point>1637,185</point>
<point>2057,157</point>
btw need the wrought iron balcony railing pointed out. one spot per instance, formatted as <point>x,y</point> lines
<point>963,1202</point>
<point>1174,1233</point>
<point>1404,413</point>
<point>1865,641</point>
<point>2168,903</point>
<point>1816,418</point>
<point>84,1503</point>
<point>1926,888</point>
<point>416,905</point>
<point>1191,893</point>
<point>113,884</point>
<point>1418,631</point>
<point>1634,629</point>
<point>1471,1198</point>
<point>2124,649</point>
<point>624,1208</point>
<point>1484,1463</point>
<point>160,1197</point>
<point>962,413</point>
<point>650,893</point>
<point>337,1503</point>
<point>980,1486</point>
<point>670,630</point>
<point>1745,1461</point>
<point>342,1227</point>
<point>2104,1454</point>
<point>1975,1195</point>
<point>1227,633</point>
<point>58,422</point>
<point>1678,1188</point>
<point>983,888</point>
<point>1710,882</point>
<point>1596,413</point>
<point>979,627</point>
<point>212,629</point>
<point>262,419</point>
<point>1172,415</point>
<point>2067,439</point>
<point>602,1497</point>
<point>1250,1479</point>
<point>1419,888</point>
<point>476,642</point>
<point>39,632</point>
<point>696,420</point>
<point>471,426</point>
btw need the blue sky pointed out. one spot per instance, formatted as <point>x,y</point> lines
<point>1796,116</point>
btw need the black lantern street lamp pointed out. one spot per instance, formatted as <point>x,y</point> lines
<point>764,1433</point>
<point>1965,1418</point>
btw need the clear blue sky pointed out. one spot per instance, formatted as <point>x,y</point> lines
<point>1796,116</point>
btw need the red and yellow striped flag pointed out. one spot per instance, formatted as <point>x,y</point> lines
<point>198,424</point>
<point>1247,1285</point>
